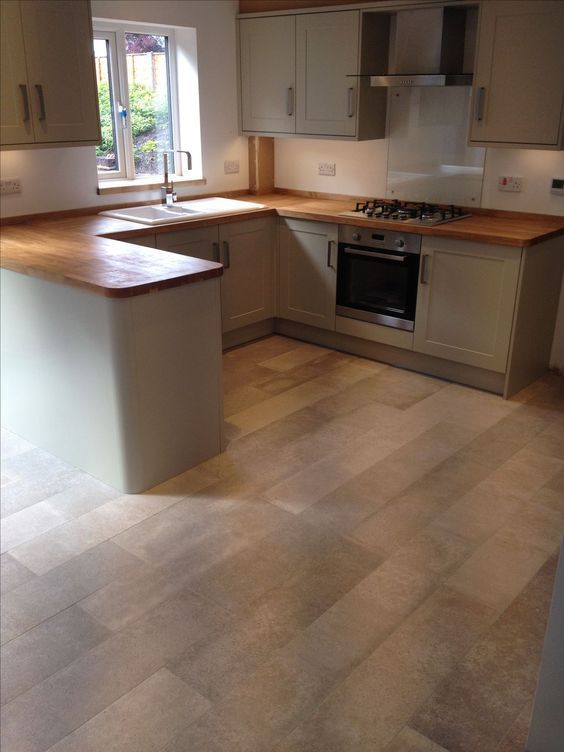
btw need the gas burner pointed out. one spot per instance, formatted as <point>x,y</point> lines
<point>407,212</point>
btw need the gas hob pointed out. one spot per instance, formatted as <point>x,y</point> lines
<point>422,214</point>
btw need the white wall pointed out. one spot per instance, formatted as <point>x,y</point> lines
<point>60,179</point>
<point>361,171</point>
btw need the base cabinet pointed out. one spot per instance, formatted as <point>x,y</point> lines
<point>247,250</point>
<point>308,272</point>
<point>466,302</point>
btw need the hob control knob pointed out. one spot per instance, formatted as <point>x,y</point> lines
<point>399,243</point>
<point>356,236</point>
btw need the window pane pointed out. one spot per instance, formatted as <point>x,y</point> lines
<point>149,103</point>
<point>106,152</point>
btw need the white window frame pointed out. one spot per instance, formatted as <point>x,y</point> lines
<point>114,33</point>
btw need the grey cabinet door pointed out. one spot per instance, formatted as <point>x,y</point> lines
<point>308,272</point>
<point>518,90</point>
<point>16,124</point>
<point>199,242</point>
<point>326,53</point>
<point>60,65</point>
<point>466,301</point>
<point>267,55</point>
<point>247,251</point>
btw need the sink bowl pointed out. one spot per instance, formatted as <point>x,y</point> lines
<point>182,211</point>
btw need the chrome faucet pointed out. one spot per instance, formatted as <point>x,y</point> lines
<point>168,194</point>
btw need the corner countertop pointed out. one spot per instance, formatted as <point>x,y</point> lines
<point>85,250</point>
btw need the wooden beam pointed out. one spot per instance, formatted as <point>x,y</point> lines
<point>261,164</point>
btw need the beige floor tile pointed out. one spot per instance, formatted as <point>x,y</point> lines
<point>299,355</point>
<point>262,710</point>
<point>126,726</point>
<point>42,597</point>
<point>12,573</point>
<point>13,444</point>
<point>339,641</point>
<point>45,649</point>
<point>20,494</point>
<point>375,701</point>
<point>61,544</point>
<point>60,704</point>
<point>28,524</point>
<point>409,740</point>
<point>477,705</point>
<point>497,572</point>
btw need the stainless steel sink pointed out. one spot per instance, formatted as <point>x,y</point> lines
<point>182,211</point>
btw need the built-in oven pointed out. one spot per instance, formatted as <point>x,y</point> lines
<point>377,276</point>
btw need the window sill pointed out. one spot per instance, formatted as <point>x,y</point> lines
<point>141,184</point>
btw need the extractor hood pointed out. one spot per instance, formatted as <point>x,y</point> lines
<point>430,47</point>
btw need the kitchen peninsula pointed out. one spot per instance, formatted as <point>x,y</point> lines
<point>111,354</point>
<point>111,351</point>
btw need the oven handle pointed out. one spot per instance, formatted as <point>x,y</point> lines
<point>374,254</point>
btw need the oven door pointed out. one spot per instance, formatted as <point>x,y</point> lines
<point>377,285</point>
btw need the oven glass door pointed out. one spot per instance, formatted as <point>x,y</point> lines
<point>377,285</point>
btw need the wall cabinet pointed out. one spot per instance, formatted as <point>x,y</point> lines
<point>48,89</point>
<point>518,91</point>
<point>466,302</point>
<point>299,74</point>
<point>308,272</point>
<point>247,250</point>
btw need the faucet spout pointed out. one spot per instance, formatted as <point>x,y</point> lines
<point>167,189</point>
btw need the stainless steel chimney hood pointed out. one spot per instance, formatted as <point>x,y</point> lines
<point>430,47</point>
<point>423,79</point>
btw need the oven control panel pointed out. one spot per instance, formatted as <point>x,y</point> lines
<point>408,242</point>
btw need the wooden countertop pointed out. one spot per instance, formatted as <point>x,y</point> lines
<point>85,251</point>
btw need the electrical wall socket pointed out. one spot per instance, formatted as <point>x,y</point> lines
<point>511,184</point>
<point>10,185</point>
<point>327,168</point>
<point>231,166</point>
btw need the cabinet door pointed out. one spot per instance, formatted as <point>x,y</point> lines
<point>308,272</point>
<point>16,127</point>
<point>247,284</point>
<point>519,78</point>
<point>199,242</point>
<point>267,54</point>
<point>465,302</point>
<point>147,240</point>
<point>326,52</point>
<point>59,54</point>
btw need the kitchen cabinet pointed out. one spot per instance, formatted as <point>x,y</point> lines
<point>267,59</point>
<point>148,241</point>
<point>299,74</point>
<point>246,249</point>
<point>518,90</point>
<point>199,242</point>
<point>48,88</point>
<point>466,301</point>
<point>248,281</point>
<point>308,272</point>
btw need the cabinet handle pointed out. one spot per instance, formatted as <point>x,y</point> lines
<point>350,102</point>
<point>25,99</point>
<point>330,254</point>
<point>424,277</point>
<point>226,256</point>
<point>43,114</point>
<point>215,248</point>
<point>480,99</point>
<point>290,101</point>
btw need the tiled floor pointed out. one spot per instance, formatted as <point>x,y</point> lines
<point>368,567</point>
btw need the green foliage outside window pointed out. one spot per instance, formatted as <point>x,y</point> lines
<point>148,117</point>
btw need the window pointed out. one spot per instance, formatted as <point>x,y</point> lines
<point>138,114</point>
